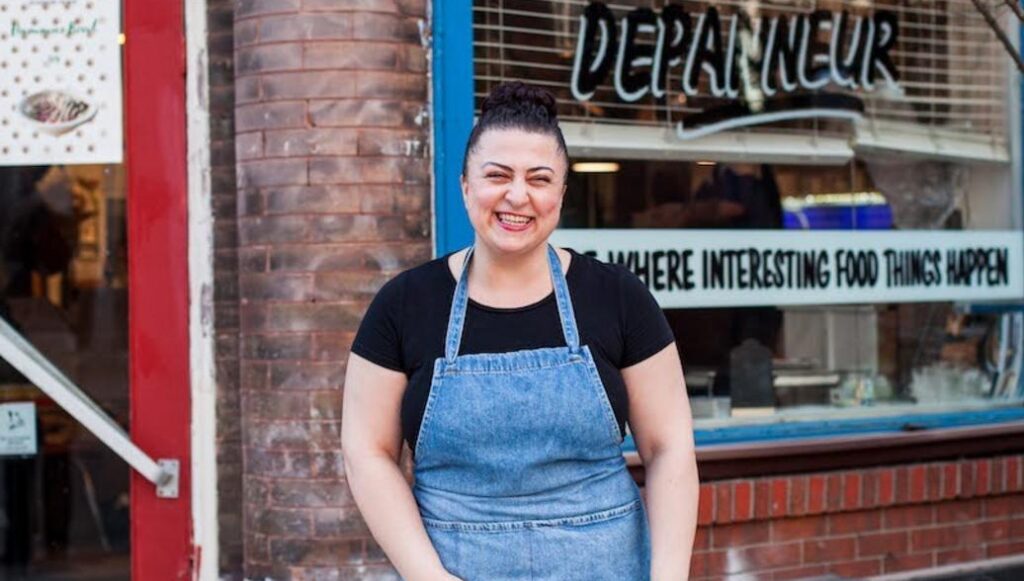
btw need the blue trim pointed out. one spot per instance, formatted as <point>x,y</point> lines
<point>846,427</point>
<point>453,119</point>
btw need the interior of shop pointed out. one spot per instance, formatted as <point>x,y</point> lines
<point>818,360</point>
<point>64,508</point>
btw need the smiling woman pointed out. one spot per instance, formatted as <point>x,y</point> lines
<point>512,368</point>
<point>514,203</point>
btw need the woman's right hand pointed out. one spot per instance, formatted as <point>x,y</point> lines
<point>371,441</point>
<point>440,575</point>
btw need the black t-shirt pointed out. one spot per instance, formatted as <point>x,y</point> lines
<point>404,328</point>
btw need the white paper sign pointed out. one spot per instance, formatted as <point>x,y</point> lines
<point>18,429</point>
<point>60,82</point>
<point>730,268</point>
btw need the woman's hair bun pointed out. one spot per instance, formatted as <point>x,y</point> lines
<point>517,105</point>
<point>517,99</point>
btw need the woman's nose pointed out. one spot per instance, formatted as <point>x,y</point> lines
<point>517,193</point>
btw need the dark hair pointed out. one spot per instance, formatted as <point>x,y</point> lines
<point>517,105</point>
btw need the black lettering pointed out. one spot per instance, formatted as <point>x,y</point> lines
<point>632,79</point>
<point>755,268</point>
<point>596,48</point>
<point>782,46</point>
<point>674,280</point>
<point>844,65</point>
<point>688,283</point>
<point>717,270</point>
<point>642,266</point>
<point>886,27</point>
<point>674,31</point>
<point>813,63</point>
<point>706,54</point>
<point>657,270</point>
<point>1002,261</point>
<point>742,270</point>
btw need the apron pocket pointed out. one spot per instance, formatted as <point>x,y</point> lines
<point>616,548</point>
<point>493,555</point>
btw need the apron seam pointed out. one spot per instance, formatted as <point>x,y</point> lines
<point>538,524</point>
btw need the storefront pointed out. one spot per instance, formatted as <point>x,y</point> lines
<point>94,378</point>
<point>825,199</point>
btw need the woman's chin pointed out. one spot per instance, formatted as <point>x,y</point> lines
<point>513,242</point>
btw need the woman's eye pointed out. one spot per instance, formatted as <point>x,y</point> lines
<point>542,179</point>
<point>492,176</point>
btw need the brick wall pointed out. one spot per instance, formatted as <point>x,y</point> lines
<point>861,522</point>
<point>333,200</point>
<point>220,39</point>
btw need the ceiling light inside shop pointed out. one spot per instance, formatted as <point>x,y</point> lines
<point>794,203</point>
<point>706,162</point>
<point>595,167</point>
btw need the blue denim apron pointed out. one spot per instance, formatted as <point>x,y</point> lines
<point>519,470</point>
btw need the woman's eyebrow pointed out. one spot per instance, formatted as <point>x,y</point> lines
<point>494,163</point>
<point>509,169</point>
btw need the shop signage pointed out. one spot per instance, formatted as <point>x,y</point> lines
<point>60,73</point>
<point>719,268</point>
<point>760,70</point>
<point>18,429</point>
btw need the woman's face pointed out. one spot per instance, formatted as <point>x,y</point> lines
<point>513,189</point>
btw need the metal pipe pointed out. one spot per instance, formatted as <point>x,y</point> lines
<point>24,357</point>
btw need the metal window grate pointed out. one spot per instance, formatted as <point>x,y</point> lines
<point>954,73</point>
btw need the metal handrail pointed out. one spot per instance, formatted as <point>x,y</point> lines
<point>24,357</point>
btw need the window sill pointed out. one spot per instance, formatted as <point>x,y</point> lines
<point>851,450</point>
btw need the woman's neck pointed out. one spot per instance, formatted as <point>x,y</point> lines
<point>503,280</point>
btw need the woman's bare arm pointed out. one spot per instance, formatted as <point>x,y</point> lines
<point>371,439</point>
<point>659,416</point>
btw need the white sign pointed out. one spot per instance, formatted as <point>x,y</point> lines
<point>18,429</point>
<point>60,82</point>
<point>731,268</point>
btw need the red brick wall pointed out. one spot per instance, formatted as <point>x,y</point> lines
<point>333,200</point>
<point>861,522</point>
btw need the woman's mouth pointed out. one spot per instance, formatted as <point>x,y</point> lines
<point>513,222</point>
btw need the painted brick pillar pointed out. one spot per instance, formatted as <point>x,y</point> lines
<point>221,54</point>
<point>333,200</point>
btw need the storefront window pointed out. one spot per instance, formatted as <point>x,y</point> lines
<point>819,196</point>
<point>64,495</point>
<point>801,360</point>
<point>64,500</point>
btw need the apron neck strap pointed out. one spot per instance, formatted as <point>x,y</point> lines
<point>457,317</point>
<point>565,310</point>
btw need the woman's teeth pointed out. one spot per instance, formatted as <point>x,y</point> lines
<point>513,219</point>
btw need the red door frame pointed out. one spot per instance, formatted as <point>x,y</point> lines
<point>158,317</point>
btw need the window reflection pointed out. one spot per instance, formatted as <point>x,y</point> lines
<point>63,275</point>
<point>770,360</point>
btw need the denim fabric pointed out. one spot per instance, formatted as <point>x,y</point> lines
<point>519,470</point>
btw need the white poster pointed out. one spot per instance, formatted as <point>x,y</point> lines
<point>731,268</point>
<point>60,82</point>
<point>18,429</point>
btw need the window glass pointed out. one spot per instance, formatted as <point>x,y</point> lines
<point>814,357</point>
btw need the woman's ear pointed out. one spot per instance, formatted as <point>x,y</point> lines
<point>464,186</point>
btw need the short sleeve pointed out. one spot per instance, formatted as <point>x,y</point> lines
<point>379,338</point>
<point>645,330</point>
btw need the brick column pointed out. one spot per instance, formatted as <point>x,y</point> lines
<point>333,200</point>
<point>220,36</point>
